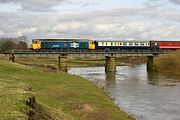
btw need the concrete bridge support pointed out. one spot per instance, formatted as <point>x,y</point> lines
<point>150,60</point>
<point>62,63</point>
<point>110,79</point>
<point>110,65</point>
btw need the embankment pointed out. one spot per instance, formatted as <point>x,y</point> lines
<point>168,63</point>
<point>30,93</point>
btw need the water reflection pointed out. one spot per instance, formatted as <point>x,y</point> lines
<point>110,79</point>
<point>153,78</point>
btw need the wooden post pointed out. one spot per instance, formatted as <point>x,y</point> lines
<point>11,57</point>
<point>62,67</point>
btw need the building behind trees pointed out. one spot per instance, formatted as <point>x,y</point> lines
<point>7,44</point>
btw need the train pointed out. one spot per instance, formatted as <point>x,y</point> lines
<point>86,44</point>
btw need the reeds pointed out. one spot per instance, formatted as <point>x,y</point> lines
<point>169,63</point>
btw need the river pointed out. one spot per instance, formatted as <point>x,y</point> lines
<point>142,95</point>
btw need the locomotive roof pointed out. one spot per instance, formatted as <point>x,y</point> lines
<point>66,40</point>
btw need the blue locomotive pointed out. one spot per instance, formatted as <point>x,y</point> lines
<point>57,44</point>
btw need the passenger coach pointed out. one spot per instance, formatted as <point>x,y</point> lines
<point>122,44</point>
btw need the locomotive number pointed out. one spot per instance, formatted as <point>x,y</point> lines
<point>74,45</point>
<point>55,46</point>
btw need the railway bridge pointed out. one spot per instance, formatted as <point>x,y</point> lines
<point>110,56</point>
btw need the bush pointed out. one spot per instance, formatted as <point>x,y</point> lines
<point>7,44</point>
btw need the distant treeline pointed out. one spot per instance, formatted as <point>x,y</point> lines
<point>7,44</point>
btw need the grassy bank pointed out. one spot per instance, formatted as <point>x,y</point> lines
<point>57,96</point>
<point>78,62</point>
<point>168,63</point>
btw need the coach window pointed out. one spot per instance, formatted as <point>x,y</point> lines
<point>124,43</point>
<point>106,43</point>
<point>136,44</point>
<point>131,44</point>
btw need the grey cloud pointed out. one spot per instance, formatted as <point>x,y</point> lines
<point>144,23</point>
<point>35,5</point>
<point>45,5</point>
<point>175,1</point>
<point>83,4</point>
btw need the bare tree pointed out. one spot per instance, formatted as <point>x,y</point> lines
<point>7,44</point>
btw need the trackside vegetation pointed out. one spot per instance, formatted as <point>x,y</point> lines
<point>30,93</point>
<point>168,63</point>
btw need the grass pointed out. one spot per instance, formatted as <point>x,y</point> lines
<point>78,62</point>
<point>63,96</point>
<point>168,63</point>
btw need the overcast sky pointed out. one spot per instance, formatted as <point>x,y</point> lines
<point>92,19</point>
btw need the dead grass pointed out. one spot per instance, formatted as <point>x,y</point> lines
<point>168,63</point>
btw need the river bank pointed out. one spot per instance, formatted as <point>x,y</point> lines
<point>30,93</point>
<point>168,64</point>
<point>144,96</point>
<point>78,62</point>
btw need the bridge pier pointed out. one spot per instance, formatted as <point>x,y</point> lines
<point>110,79</point>
<point>62,63</point>
<point>150,60</point>
<point>110,65</point>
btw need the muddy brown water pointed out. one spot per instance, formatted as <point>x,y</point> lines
<point>145,96</point>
